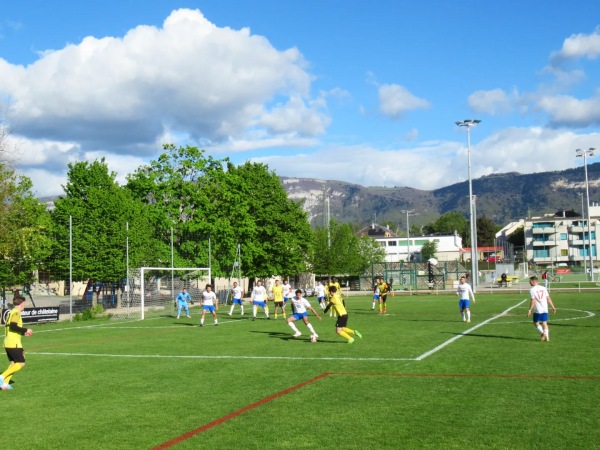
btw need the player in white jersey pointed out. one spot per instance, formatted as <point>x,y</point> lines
<point>321,294</point>
<point>237,299</point>
<point>259,298</point>
<point>465,293</point>
<point>300,312</point>
<point>209,304</point>
<point>540,299</point>
<point>375,294</point>
<point>287,293</point>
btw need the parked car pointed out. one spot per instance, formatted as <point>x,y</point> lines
<point>493,259</point>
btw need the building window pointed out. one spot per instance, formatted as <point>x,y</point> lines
<point>392,243</point>
<point>564,252</point>
<point>564,236</point>
<point>541,253</point>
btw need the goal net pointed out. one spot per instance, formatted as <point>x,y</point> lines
<point>151,291</point>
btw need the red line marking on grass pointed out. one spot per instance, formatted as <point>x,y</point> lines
<point>465,375</point>
<point>234,414</point>
<point>241,411</point>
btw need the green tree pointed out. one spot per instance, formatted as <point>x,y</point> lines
<point>486,231</point>
<point>24,229</point>
<point>244,205</point>
<point>274,230</point>
<point>517,238</point>
<point>183,191</point>
<point>338,250</point>
<point>450,222</point>
<point>100,210</point>
<point>428,250</point>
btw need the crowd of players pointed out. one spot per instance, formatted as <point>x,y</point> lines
<point>330,298</point>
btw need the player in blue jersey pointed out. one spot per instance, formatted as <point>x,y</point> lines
<point>182,303</point>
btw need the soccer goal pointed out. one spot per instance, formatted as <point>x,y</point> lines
<point>151,291</point>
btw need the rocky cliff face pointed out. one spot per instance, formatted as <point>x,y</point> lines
<point>501,197</point>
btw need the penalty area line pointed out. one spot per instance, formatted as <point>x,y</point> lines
<point>466,332</point>
<point>240,411</point>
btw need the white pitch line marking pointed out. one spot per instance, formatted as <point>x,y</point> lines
<point>293,358</point>
<point>464,333</point>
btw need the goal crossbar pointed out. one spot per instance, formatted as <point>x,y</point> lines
<point>166,269</point>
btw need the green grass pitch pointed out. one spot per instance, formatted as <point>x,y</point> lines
<point>419,378</point>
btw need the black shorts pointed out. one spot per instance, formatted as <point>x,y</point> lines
<point>383,298</point>
<point>16,354</point>
<point>342,321</point>
<point>278,304</point>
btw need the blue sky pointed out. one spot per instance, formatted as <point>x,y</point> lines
<point>364,92</point>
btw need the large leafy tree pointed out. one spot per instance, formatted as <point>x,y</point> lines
<point>273,230</point>
<point>101,212</point>
<point>337,250</point>
<point>202,198</point>
<point>24,229</point>
<point>449,223</point>
<point>182,191</point>
<point>486,231</point>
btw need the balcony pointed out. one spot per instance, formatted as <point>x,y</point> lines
<point>545,230</point>
<point>544,243</point>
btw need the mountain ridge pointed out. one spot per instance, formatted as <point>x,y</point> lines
<point>503,198</point>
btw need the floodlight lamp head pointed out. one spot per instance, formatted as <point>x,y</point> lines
<point>477,121</point>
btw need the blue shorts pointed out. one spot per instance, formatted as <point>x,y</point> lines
<point>299,316</point>
<point>375,296</point>
<point>238,301</point>
<point>181,304</point>
<point>540,317</point>
<point>261,304</point>
<point>209,308</point>
<point>462,304</point>
<point>285,299</point>
<point>321,299</point>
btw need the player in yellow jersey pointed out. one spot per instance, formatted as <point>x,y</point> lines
<point>13,330</point>
<point>277,292</point>
<point>334,283</point>
<point>336,303</point>
<point>384,288</point>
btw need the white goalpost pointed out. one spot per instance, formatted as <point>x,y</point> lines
<point>151,291</point>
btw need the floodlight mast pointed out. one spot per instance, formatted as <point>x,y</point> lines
<point>408,212</point>
<point>584,154</point>
<point>468,124</point>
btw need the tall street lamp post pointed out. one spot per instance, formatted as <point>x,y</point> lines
<point>583,236</point>
<point>584,154</point>
<point>468,124</point>
<point>407,211</point>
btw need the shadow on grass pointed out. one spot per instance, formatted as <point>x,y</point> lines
<point>492,336</point>
<point>289,337</point>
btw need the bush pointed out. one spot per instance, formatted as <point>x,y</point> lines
<point>89,314</point>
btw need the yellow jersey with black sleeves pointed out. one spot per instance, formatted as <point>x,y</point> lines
<point>12,339</point>
<point>337,304</point>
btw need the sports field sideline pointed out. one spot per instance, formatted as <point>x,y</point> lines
<point>420,378</point>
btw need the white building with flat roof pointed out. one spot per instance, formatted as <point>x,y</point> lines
<point>449,248</point>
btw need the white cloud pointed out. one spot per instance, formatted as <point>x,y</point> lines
<point>578,46</point>
<point>565,110</point>
<point>438,164</point>
<point>395,100</point>
<point>492,102</point>
<point>189,76</point>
